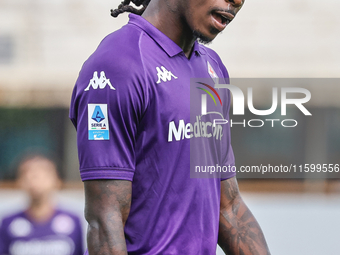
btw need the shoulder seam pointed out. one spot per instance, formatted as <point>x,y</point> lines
<point>144,69</point>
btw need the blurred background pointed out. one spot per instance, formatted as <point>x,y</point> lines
<point>43,45</point>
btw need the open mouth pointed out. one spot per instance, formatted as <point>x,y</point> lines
<point>222,18</point>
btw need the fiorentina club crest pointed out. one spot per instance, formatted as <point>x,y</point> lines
<point>211,71</point>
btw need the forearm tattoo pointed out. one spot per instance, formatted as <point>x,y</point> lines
<point>107,207</point>
<point>239,232</point>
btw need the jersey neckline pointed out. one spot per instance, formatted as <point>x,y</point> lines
<point>169,46</point>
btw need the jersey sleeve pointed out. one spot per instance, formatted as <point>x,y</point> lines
<point>4,240</point>
<point>107,104</point>
<point>228,158</point>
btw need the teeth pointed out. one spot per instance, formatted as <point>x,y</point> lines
<point>224,17</point>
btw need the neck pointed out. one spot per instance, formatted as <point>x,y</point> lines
<point>40,210</point>
<point>170,23</point>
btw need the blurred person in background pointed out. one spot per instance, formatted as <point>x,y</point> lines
<point>41,229</point>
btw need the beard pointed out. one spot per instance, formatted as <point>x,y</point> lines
<point>202,38</point>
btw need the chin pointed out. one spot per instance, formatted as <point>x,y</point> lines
<point>201,38</point>
<point>206,38</point>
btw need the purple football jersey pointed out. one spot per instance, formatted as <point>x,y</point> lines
<point>60,235</point>
<point>131,106</point>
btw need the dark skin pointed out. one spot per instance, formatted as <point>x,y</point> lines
<point>239,233</point>
<point>108,202</point>
<point>107,206</point>
<point>178,19</point>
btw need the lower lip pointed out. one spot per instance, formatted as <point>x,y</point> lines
<point>219,26</point>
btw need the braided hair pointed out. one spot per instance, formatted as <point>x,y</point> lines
<point>126,7</point>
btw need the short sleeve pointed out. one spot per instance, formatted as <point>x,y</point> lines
<point>228,158</point>
<point>107,104</point>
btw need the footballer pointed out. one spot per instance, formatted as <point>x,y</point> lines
<point>131,108</point>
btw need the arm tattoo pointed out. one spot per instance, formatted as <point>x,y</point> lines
<point>239,232</point>
<point>107,206</point>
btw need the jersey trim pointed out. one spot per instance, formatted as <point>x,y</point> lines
<point>231,176</point>
<point>106,173</point>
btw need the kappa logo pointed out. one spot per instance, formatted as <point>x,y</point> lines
<point>100,82</point>
<point>164,75</point>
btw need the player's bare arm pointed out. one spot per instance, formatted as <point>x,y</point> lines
<point>107,206</point>
<point>239,232</point>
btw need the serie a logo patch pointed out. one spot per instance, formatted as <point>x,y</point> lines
<point>98,124</point>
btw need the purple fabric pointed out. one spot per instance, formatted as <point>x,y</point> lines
<point>61,235</point>
<point>171,213</point>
